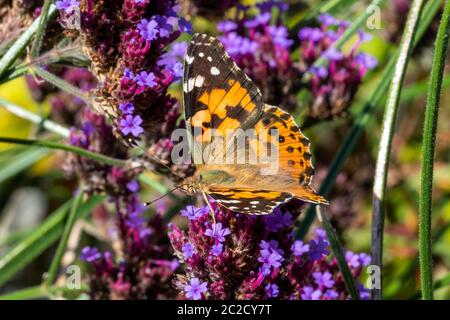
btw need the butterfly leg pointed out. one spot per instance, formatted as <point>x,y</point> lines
<point>213,215</point>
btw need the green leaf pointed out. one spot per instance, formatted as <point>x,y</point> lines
<point>19,46</point>
<point>20,162</point>
<point>41,239</point>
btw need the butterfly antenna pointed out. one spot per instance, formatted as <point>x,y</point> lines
<point>169,192</point>
<point>165,165</point>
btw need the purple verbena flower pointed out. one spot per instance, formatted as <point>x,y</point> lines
<point>217,232</point>
<point>90,254</point>
<point>324,279</point>
<point>188,250</point>
<point>309,293</point>
<point>299,248</point>
<point>318,248</point>
<point>67,5</point>
<point>217,249</point>
<point>278,220</point>
<point>272,290</point>
<point>193,213</point>
<point>126,108</point>
<point>195,289</point>
<point>146,79</point>
<point>132,125</point>
<point>148,29</point>
<point>133,186</point>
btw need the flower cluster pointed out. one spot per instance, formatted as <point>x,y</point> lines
<point>332,86</point>
<point>249,257</point>
<point>262,47</point>
<point>127,42</point>
<point>141,269</point>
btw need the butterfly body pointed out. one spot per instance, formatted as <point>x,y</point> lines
<point>250,157</point>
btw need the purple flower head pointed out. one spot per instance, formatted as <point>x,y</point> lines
<point>135,220</point>
<point>184,26</point>
<point>195,289</point>
<point>320,233</point>
<point>146,79</point>
<point>333,54</point>
<point>259,20</point>
<point>90,254</point>
<point>324,279</point>
<point>226,26</point>
<point>148,29</point>
<point>270,256</point>
<point>272,290</point>
<point>328,20</point>
<point>331,294</point>
<point>126,108</point>
<point>193,213</point>
<point>128,74</point>
<point>310,294</point>
<point>364,259</point>
<point>280,36</point>
<point>165,28</point>
<point>67,5</point>
<point>366,61</point>
<point>217,249</point>
<point>188,250</point>
<point>318,249</point>
<point>132,125</point>
<point>321,72</point>
<point>313,34</point>
<point>299,248</point>
<point>278,221</point>
<point>133,186</point>
<point>363,36</point>
<point>217,232</point>
<point>177,70</point>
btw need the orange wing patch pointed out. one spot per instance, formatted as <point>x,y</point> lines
<point>293,146</point>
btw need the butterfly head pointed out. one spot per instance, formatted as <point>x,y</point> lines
<point>190,186</point>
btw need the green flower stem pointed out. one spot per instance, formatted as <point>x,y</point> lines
<point>428,150</point>
<point>338,253</point>
<point>387,132</point>
<point>32,117</point>
<point>25,294</point>
<point>60,146</point>
<point>21,43</point>
<point>54,266</point>
<point>439,284</point>
<point>39,36</point>
<point>361,120</point>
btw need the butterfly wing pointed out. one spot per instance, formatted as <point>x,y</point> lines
<point>248,200</point>
<point>218,96</point>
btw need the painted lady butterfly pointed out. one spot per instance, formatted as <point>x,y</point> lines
<point>220,98</point>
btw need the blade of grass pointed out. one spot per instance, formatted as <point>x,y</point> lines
<point>60,146</point>
<point>40,32</point>
<point>338,253</point>
<point>61,84</point>
<point>32,117</point>
<point>20,162</point>
<point>19,46</point>
<point>387,133</point>
<point>361,120</point>
<point>41,239</point>
<point>428,150</point>
<point>54,266</point>
<point>25,294</point>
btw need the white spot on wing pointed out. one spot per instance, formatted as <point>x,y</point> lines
<point>193,82</point>
<point>201,54</point>
<point>215,71</point>
<point>254,202</point>
<point>209,59</point>
<point>189,59</point>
